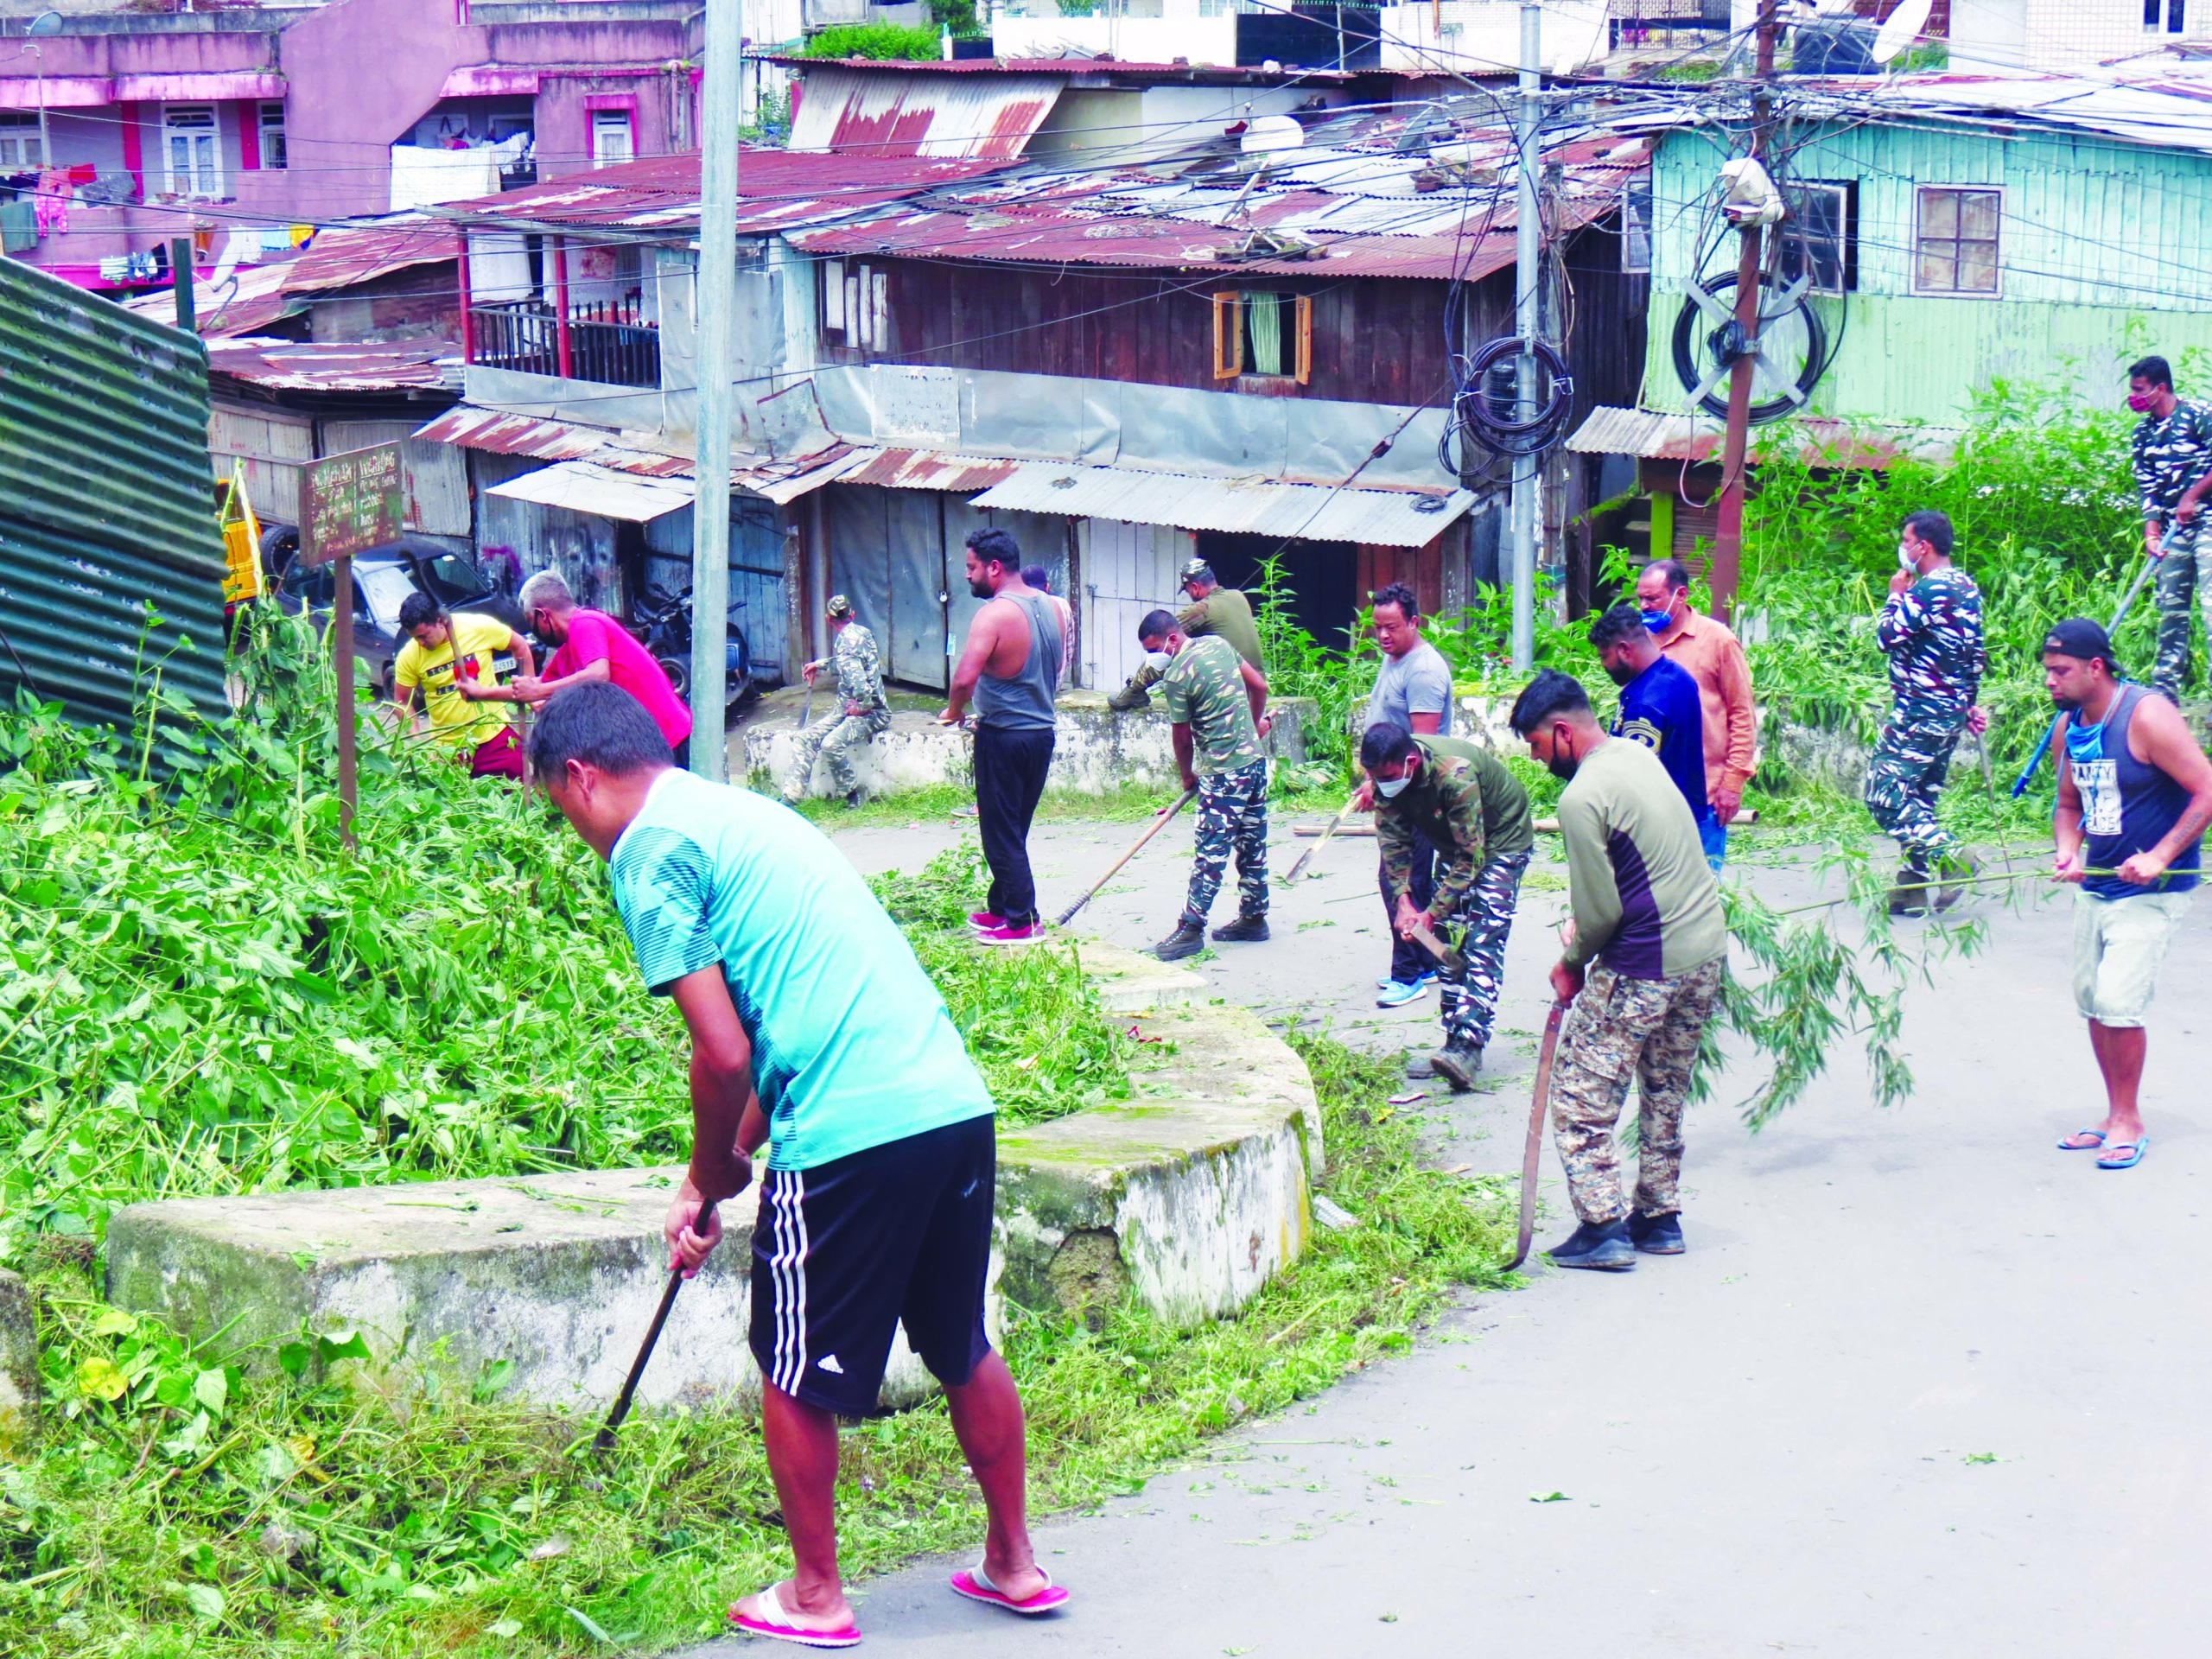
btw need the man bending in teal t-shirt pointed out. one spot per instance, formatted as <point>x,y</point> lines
<point>813,1029</point>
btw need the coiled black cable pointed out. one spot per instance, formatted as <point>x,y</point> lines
<point>1475,414</point>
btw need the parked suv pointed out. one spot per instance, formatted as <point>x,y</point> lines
<point>383,578</point>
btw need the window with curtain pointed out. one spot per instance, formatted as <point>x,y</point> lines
<point>189,138</point>
<point>1263,333</point>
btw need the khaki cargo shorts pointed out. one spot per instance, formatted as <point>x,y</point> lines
<point>2118,945</point>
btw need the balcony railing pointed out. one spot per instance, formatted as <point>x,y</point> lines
<point>604,342</point>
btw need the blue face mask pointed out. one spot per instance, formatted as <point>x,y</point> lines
<point>1658,621</point>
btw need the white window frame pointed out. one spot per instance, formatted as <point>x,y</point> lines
<point>2166,16</point>
<point>19,140</point>
<point>1847,233</point>
<point>1919,208</point>
<point>269,125</point>
<point>607,121</point>
<point>194,129</point>
<point>1637,220</point>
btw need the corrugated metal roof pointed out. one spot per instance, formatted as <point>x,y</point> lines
<point>309,365</point>
<point>848,111</point>
<point>777,190</point>
<point>246,303</point>
<point>580,486</point>
<point>1098,68</point>
<point>1313,512</point>
<point>776,479</point>
<point>347,256</point>
<point>105,506</point>
<point>925,470</point>
<point>514,435</point>
<point>2160,104</point>
<point>1342,209</point>
<point>1649,435</point>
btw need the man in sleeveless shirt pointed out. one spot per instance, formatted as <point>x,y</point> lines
<point>2135,796</point>
<point>1011,668</point>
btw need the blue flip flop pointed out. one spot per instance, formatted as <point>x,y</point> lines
<point>2096,1140</point>
<point>2141,1145</point>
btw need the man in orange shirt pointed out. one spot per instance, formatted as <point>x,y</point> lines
<point>1715,660</point>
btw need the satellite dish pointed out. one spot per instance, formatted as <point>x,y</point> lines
<point>1901,29</point>
<point>1268,132</point>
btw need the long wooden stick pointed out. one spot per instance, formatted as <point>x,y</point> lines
<point>603,1441</point>
<point>1532,1154</point>
<point>1327,835</point>
<point>1158,824</point>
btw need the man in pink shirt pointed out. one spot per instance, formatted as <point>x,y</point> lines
<point>594,646</point>
<point>1706,647</point>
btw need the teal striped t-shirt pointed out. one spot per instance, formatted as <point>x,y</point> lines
<point>852,1046</point>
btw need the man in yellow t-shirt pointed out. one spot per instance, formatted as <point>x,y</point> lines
<point>451,658</point>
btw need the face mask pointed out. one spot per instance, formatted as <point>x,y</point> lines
<point>1619,672</point>
<point>1906,562</point>
<point>1658,621</point>
<point>1390,788</point>
<point>2142,401</point>
<point>1158,661</point>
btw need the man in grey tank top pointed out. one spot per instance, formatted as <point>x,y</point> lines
<point>1011,668</point>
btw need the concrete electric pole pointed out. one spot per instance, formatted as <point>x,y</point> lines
<point>713,300</point>
<point>1728,532</point>
<point>1527,470</point>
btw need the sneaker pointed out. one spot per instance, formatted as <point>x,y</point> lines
<point>1956,872</point>
<point>1656,1235</point>
<point>1010,933</point>
<point>1908,893</point>
<point>1244,930</point>
<point>1458,1064</point>
<point>1603,1247</point>
<point>1396,993</point>
<point>1187,940</point>
<point>983,922</point>
<point>1386,981</point>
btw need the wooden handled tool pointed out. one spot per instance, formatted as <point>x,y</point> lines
<point>1532,1155</point>
<point>603,1441</point>
<point>1327,835</point>
<point>1158,824</point>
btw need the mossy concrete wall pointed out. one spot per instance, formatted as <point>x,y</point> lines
<point>1189,1196</point>
<point>1097,750</point>
<point>18,1360</point>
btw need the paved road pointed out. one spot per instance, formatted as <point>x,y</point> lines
<point>1779,1443</point>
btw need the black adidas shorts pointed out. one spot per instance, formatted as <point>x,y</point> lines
<point>846,1252</point>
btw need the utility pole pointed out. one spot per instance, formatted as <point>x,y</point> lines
<point>714,300</point>
<point>1728,533</point>
<point>1528,259</point>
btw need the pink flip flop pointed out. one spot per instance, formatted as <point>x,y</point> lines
<point>776,1625</point>
<point>976,1587</point>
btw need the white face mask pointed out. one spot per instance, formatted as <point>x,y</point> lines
<point>1158,660</point>
<point>1390,788</point>
<point>1906,562</point>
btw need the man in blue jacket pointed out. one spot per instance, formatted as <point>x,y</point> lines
<point>1659,709</point>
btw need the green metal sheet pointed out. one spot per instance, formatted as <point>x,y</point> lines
<point>106,504</point>
<point>2104,253</point>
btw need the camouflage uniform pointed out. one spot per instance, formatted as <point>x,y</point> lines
<point>1204,688</point>
<point>1226,613</point>
<point>1466,803</point>
<point>2170,455</point>
<point>858,667</point>
<point>1620,1025</point>
<point>1932,631</point>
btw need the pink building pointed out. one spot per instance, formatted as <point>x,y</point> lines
<point>229,126</point>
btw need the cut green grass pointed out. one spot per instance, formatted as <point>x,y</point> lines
<point>200,1512</point>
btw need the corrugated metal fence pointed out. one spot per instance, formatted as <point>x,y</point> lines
<point>106,504</point>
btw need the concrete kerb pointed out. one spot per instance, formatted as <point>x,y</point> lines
<point>19,1390</point>
<point>1192,1194</point>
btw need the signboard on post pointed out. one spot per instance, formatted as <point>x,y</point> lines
<point>348,504</point>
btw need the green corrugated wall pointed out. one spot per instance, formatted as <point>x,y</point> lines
<point>2105,252</point>
<point>106,504</point>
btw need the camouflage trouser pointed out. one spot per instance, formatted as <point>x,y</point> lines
<point>2185,575</point>
<point>1470,999</point>
<point>835,735</point>
<point>1906,776</point>
<point>1232,817</point>
<point>1620,1025</point>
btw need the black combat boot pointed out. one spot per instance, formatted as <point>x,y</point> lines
<point>1187,940</point>
<point>1457,1064</point>
<point>1246,929</point>
<point>1957,871</point>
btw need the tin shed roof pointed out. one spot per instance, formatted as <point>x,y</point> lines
<point>848,111</point>
<point>1271,508</point>
<point>1649,435</point>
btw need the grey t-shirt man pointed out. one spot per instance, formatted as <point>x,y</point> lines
<point>1418,682</point>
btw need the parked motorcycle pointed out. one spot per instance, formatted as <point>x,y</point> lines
<point>663,623</point>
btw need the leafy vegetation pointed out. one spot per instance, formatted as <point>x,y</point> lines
<point>883,42</point>
<point>186,1503</point>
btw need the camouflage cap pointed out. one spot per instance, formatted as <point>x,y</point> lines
<point>840,606</point>
<point>1195,570</point>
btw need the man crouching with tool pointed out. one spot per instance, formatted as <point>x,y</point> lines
<point>813,1029</point>
<point>1462,802</point>
<point>1648,931</point>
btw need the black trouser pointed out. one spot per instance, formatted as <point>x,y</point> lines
<point>1010,768</point>
<point>1409,958</point>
